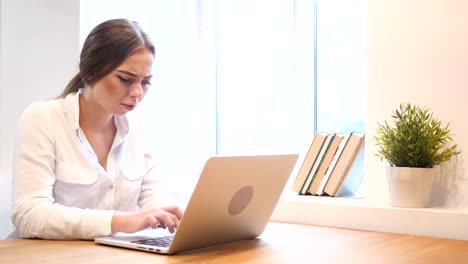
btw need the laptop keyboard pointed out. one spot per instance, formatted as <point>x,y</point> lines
<point>163,241</point>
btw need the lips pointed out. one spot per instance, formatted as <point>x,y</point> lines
<point>129,107</point>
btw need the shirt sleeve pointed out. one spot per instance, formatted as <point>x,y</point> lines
<point>35,212</point>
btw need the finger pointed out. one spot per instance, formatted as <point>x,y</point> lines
<point>178,213</point>
<point>176,220</point>
<point>174,210</point>
<point>151,221</point>
<point>156,225</point>
<point>164,218</point>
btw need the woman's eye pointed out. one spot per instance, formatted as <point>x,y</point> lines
<point>123,80</point>
<point>146,83</point>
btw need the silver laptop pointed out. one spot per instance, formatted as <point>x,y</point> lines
<point>233,200</point>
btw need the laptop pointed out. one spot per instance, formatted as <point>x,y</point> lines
<point>232,201</point>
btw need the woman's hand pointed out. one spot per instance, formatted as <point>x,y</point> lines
<point>164,217</point>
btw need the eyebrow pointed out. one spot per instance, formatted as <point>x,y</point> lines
<point>133,74</point>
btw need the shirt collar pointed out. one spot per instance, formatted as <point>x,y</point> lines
<point>72,111</point>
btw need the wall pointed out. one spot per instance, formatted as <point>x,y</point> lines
<point>417,52</point>
<point>39,49</point>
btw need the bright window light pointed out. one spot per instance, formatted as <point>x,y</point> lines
<point>244,77</point>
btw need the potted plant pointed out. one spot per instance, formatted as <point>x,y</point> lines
<point>413,145</point>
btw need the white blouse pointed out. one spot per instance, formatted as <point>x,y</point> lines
<point>60,189</point>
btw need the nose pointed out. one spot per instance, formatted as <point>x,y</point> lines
<point>136,91</point>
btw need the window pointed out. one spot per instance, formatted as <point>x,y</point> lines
<point>239,77</point>
<point>341,64</point>
<point>265,76</point>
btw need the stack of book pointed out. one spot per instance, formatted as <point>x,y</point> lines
<point>333,166</point>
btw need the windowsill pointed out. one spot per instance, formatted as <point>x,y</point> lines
<point>360,213</point>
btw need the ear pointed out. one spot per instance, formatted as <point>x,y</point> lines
<point>88,79</point>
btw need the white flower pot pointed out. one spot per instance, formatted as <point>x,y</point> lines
<point>410,187</point>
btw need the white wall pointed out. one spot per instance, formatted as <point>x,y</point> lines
<point>418,52</point>
<point>39,51</point>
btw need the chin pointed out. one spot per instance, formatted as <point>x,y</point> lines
<point>121,112</point>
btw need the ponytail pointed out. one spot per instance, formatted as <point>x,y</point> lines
<point>73,86</point>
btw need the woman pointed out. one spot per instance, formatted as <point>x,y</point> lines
<point>80,169</point>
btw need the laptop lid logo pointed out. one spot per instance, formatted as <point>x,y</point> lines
<point>240,200</point>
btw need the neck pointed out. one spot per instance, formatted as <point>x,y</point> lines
<point>93,117</point>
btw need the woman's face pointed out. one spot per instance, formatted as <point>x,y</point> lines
<point>121,90</point>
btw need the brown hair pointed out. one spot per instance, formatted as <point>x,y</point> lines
<point>105,48</point>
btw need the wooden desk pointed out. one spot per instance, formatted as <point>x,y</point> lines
<point>280,243</point>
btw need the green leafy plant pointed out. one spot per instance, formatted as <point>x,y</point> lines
<point>416,139</point>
